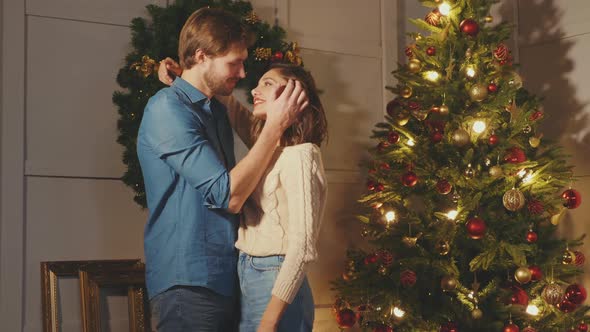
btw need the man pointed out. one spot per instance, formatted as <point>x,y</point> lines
<point>194,188</point>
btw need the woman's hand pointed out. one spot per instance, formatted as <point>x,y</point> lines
<point>168,70</point>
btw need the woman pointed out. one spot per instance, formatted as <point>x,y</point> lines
<point>280,225</point>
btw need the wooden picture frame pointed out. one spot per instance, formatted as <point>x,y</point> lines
<point>132,278</point>
<point>51,271</point>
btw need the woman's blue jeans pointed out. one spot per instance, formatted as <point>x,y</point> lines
<point>257,277</point>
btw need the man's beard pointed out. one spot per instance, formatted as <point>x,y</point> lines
<point>219,87</point>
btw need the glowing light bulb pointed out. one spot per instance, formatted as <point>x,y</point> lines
<point>411,142</point>
<point>397,312</point>
<point>432,76</point>
<point>528,178</point>
<point>390,216</point>
<point>471,295</point>
<point>532,310</point>
<point>444,9</point>
<point>479,126</point>
<point>470,72</point>
<point>521,173</point>
<point>452,214</point>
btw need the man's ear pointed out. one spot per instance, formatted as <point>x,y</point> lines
<point>200,56</point>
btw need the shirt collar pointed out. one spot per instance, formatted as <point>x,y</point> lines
<point>193,94</point>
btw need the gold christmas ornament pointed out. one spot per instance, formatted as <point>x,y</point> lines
<point>420,114</point>
<point>252,18</point>
<point>443,248</point>
<point>460,137</point>
<point>488,19</point>
<point>262,53</point>
<point>443,110</point>
<point>478,92</point>
<point>523,275</point>
<point>409,241</point>
<point>448,284</point>
<point>552,293</point>
<point>406,92</point>
<point>469,172</point>
<point>468,53</point>
<point>513,199</point>
<point>146,66</point>
<point>382,270</point>
<point>527,129</point>
<point>534,141</point>
<point>415,65</point>
<point>476,313</point>
<point>568,257</point>
<point>496,171</point>
<point>402,117</point>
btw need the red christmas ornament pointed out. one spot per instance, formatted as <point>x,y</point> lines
<point>535,207</point>
<point>575,293</point>
<point>536,116</point>
<point>382,146</point>
<point>436,137</point>
<point>370,259</point>
<point>476,228</point>
<point>531,237</point>
<point>385,256</point>
<point>583,327</point>
<point>407,278</point>
<point>409,52</point>
<point>371,185</point>
<point>536,273</point>
<point>379,187</point>
<point>278,56</point>
<point>566,306</point>
<point>413,106</point>
<point>511,327</point>
<point>384,166</point>
<point>580,258</point>
<point>346,318</point>
<point>382,328</point>
<point>449,327</point>
<point>493,140</point>
<point>443,187</point>
<point>492,88</point>
<point>409,179</point>
<point>393,137</point>
<point>571,198</point>
<point>392,107</point>
<point>431,50</point>
<point>515,155</point>
<point>469,27</point>
<point>501,52</point>
<point>519,296</point>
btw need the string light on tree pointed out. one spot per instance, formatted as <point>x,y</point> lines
<point>444,9</point>
<point>479,126</point>
<point>532,310</point>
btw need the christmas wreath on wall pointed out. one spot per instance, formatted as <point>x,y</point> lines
<point>155,38</point>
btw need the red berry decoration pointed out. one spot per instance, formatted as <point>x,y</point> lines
<point>492,88</point>
<point>511,327</point>
<point>583,327</point>
<point>575,293</point>
<point>535,207</point>
<point>536,116</point>
<point>409,179</point>
<point>393,137</point>
<point>580,258</point>
<point>382,328</point>
<point>431,50</point>
<point>531,237</point>
<point>278,56</point>
<point>436,137</point>
<point>571,198</point>
<point>382,146</point>
<point>449,327</point>
<point>392,107</point>
<point>469,27</point>
<point>346,318</point>
<point>566,306</point>
<point>536,273</point>
<point>408,278</point>
<point>493,140</point>
<point>409,52</point>
<point>476,228</point>
<point>515,155</point>
<point>384,166</point>
<point>379,187</point>
<point>371,259</point>
<point>371,185</point>
<point>443,187</point>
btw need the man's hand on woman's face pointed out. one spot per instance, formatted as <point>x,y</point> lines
<point>168,70</point>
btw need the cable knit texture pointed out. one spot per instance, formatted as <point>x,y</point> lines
<point>284,214</point>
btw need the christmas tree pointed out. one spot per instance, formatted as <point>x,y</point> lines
<point>464,198</point>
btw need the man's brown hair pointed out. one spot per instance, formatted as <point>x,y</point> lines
<point>213,30</point>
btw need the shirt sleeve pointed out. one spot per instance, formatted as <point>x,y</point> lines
<point>178,137</point>
<point>240,118</point>
<point>303,178</point>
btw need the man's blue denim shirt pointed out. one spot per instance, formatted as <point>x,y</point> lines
<point>185,148</point>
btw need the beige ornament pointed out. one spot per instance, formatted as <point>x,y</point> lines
<point>513,199</point>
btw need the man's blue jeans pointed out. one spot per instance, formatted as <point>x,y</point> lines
<point>193,309</point>
<point>257,278</point>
